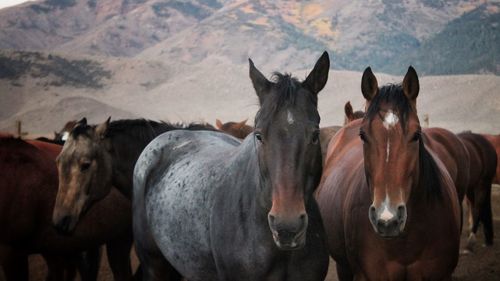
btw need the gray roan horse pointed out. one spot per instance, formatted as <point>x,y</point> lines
<point>208,207</point>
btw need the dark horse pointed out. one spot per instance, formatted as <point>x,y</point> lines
<point>28,188</point>
<point>483,163</point>
<point>97,157</point>
<point>495,141</point>
<point>208,207</point>
<point>389,206</point>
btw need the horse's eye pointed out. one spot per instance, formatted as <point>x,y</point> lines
<point>84,166</point>
<point>362,136</point>
<point>258,136</point>
<point>315,137</point>
<point>416,136</point>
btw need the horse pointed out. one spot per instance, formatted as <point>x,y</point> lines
<point>350,114</point>
<point>236,129</point>
<point>96,158</point>
<point>326,133</point>
<point>27,194</point>
<point>483,163</point>
<point>495,141</point>
<point>208,206</point>
<point>389,205</point>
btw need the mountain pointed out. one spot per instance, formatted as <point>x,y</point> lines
<point>97,27</point>
<point>388,35</point>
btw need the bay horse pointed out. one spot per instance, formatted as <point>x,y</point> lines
<point>350,114</point>
<point>483,163</point>
<point>389,206</point>
<point>326,133</point>
<point>96,158</point>
<point>27,194</point>
<point>495,141</point>
<point>209,207</point>
<point>236,129</point>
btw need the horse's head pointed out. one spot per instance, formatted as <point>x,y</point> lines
<point>84,173</point>
<point>390,132</point>
<point>289,155</point>
<point>236,129</point>
<point>350,114</point>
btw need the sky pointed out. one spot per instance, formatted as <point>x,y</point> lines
<point>7,3</point>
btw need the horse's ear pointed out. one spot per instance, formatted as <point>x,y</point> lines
<point>411,86</point>
<point>239,125</point>
<point>259,81</point>
<point>349,113</point>
<point>101,129</point>
<point>316,80</point>
<point>218,124</point>
<point>82,122</point>
<point>369,84</point>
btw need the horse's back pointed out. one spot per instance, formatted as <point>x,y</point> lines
<point>483,157</point>
<point>176,176</point>
<point>495,141</point>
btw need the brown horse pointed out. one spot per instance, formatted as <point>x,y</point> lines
<point>236,129</point>
<point>28,190</point>
<point>495,141</point>
<point>389,206</point>
<point>483,163</point>
<point>350,114</point>
<point>454,155</point>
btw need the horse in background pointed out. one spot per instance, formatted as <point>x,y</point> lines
<point>326,133</point>
<point>483,163</point>
<point>27,194</point>
<point>258,193</point>
<point>101,157</point>
<point>495,141</point>
<point>236,129</point>
<point>350,114</point>
<point>389,205</point>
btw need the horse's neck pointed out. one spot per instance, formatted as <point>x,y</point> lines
<point>125,153</point>
<point>252,187</point>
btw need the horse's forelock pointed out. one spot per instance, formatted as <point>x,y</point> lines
<point>284,93</point>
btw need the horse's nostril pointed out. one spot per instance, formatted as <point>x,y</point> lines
<point>271,219</point>
<point>65,221</point>
<point>401,212</point>
<point>302,217</point>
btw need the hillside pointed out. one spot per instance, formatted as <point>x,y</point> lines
<point>461,35</point>
<point>218,88</point>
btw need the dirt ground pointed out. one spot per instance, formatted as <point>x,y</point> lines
<point>483,264</point>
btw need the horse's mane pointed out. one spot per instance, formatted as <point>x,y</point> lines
<point>146,129</point>
<point>392,94</point>
<point>140,129</point>
<point>285,93</point>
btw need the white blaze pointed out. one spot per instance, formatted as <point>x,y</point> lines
<point>386,215</point>
<point>390,119</point>
<point>388,151</point>
<point>289,117</point>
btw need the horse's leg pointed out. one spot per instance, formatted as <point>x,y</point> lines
<point>344,272</point>
<point>89,263</point>
<point>60,267</point>
<point>473,219</point>
<point>154,266</point>
<point>118,252</point>
<point>486,216</point>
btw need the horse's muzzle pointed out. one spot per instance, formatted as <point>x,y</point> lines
<point>388,223</point>
<point>289,234</point>
<point>64,225</point>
